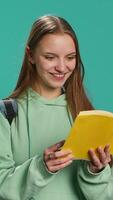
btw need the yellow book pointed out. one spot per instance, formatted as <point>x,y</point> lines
<point>91,129</point>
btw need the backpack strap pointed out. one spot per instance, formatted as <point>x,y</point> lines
<point>9,108</point>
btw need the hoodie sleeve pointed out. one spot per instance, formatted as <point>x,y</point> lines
<point>23,181</point>
<point>95,186</point>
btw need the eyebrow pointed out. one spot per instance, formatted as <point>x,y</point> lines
<point>54,54</point>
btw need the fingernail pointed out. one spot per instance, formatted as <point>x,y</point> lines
<point>58,145</point>
<point>99,148</point>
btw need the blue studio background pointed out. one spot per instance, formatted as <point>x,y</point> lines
<point>91,20</point>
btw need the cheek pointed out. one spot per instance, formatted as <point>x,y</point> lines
<point>45,66</point>
<point>72,66</point>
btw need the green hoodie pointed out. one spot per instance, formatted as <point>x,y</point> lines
<point>23,176</point>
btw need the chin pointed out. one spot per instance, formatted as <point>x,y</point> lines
<point>57,85</point>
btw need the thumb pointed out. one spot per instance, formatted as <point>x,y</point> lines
<point>56,146</point>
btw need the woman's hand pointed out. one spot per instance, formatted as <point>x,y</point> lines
<point>56,159</point>
<point>97,163</point>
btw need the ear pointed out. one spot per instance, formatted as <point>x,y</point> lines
<point>29,54</point>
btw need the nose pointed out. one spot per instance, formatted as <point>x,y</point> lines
<point>61,65</point>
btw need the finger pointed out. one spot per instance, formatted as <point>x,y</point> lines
<point>59,154</point>
<point>107,148</point>
<point>61,160</point>
<point>107,152</point>
<point>59,167</point>
<point>102,156</point>
<point>62,153</point>
<point>94,159</point>
<point>51,156</point>
<point>55,147</point>
<point>61,143</point>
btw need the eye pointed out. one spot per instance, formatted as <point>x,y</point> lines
<point>71,57</point>
<point>49,57</point>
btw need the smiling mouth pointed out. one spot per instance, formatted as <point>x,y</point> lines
<point>58,75</point>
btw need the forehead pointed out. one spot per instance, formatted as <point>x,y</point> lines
<point>57,42</point>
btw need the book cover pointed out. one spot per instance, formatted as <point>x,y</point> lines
<point>90,129</point>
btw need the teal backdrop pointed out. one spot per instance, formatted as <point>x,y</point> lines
<point>93,22</point>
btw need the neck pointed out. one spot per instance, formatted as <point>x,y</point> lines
<point>48,93</point>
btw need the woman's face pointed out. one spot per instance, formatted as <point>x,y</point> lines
<point>55,60</point>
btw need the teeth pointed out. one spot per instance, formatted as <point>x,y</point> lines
<point>59,75</point>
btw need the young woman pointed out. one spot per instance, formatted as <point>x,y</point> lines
<point>49,94</point>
